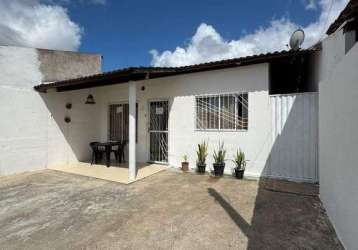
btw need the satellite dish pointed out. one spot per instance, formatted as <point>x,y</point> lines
<point>297,39</point>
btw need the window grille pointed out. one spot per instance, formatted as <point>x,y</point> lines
<point>222,112</point>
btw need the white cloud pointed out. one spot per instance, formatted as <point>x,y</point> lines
<point>310,4</point>
<point>208,45</point>
<point>32,23</point>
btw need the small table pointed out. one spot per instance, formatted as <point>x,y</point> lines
<point>108,148</point>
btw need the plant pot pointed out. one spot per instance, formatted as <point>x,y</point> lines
<point>185,166</point>
<point>201,168</point>
<point>219,169</point>
<point>239,173</point>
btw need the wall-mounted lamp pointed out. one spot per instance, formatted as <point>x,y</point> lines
<point>90,99</point>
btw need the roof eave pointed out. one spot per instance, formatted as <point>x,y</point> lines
<point>350,11</point>
<point>142,73</point>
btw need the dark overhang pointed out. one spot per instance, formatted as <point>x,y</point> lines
<point>142,73</point>
<point>350,12</point>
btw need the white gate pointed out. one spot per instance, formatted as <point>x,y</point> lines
<point>294,153</point>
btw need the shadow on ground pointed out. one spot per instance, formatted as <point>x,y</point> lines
<point>286,215</point>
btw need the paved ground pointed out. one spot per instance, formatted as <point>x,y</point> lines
<point>169,210</point>
<point>117,173</point>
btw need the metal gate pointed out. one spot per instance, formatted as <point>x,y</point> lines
<point>294,153</point>
<point>158,131</point>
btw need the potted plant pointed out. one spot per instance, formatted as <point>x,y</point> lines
<point>219,160</point>
<point>202,153</point>
<point>185,164</point>
<point>240,164</point>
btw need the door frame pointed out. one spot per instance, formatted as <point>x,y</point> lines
<point>164,99</point>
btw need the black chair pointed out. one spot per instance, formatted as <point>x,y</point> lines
<point>119,151</point>
<point>97,152</point>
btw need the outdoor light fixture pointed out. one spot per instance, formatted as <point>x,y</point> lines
<point>90,99</point>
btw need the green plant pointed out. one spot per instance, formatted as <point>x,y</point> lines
<point>219,156</point>
<point>239,159</point>
<point>185,158</point>
<point>202,152</point>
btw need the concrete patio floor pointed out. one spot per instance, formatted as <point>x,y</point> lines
<point>169,210</point>
<point>116,172</point>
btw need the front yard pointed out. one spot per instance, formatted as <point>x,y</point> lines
<point>169,210</point>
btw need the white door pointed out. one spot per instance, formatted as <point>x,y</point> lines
<point>294,153</point>
<point>158,131</point>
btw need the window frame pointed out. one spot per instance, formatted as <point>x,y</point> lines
<point>219,113</point>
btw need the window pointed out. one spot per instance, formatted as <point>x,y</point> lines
<point>222,112</point>
<point>119,123</point>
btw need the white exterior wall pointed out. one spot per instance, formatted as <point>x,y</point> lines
<point>181,91</point>
<point>338,120</point>
<point>69,142</point>
<point>23,113</point>
<point>33,133</point>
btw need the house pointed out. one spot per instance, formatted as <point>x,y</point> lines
<point>174,109</point>
<point>292,112</point>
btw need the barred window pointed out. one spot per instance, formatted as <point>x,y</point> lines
<point>222,112</point>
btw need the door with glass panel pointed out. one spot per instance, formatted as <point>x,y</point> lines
<point>158,131</point>
<point>118,126</point>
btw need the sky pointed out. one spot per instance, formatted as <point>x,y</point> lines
<point>162,32</point>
